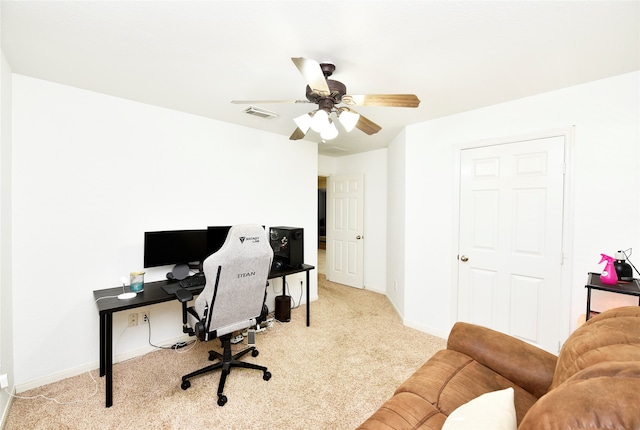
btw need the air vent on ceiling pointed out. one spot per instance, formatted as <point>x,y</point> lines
<point>335,149</point>
<point>262,113</point>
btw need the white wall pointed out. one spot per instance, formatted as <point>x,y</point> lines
<point>373,166</point>
<point>6,300</point>
<point>326,165</point>
<point>606,177</point>
<point>396,234</point>
<point>91,174</point>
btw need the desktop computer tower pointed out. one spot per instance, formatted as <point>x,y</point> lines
<point>288,246</point>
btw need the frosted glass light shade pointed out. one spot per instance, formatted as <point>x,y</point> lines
<point>319,121</point>
<point>348,119</point>
<point>329,132</point>
<point>303,122</point>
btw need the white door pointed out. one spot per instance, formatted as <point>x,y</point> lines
<point>345,259</point>
<point>510,239</point>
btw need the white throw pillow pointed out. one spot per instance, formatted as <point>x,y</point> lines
<point>490,411</point>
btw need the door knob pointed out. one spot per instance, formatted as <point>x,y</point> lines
<point>464,258</point>
<point>358,237</point>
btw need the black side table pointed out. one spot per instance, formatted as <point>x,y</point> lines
<point>593,283</point>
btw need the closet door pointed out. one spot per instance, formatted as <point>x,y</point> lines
<point>510,238</point>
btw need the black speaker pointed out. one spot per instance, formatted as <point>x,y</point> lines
<point>283,308</point>
<point>288,246</point>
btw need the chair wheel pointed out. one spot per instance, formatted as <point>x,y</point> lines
<point>222,400</point>
<point>185,384</point>
<point>255,353</point>
<point>266,376</point>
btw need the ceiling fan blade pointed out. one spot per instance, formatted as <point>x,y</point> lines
<point>391,100</point>
<point>366,125</point>
<point>255,102</point>
<point>312,73</point>
<point>297,134</point>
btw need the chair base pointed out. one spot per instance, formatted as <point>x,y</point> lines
<point>227,361</point>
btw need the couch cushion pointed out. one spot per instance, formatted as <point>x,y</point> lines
<point>492,410</point>
<point>449,379</point>
<point>405,411</point>
<point>604,396</point>
<point>613,335</point>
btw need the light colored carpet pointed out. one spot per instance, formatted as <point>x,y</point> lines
<point>331,375</point>
<point>322,262</point>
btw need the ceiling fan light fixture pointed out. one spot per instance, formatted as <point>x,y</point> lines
<point>348,119</point>
<point>303,122</point>
<point>320,120</point>
<point>329,131</point>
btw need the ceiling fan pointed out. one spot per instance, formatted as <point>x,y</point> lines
<point>329,95</point>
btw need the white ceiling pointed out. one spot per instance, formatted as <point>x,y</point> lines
<point>197,56</point>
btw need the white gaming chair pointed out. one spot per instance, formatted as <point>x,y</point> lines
<point>233,299</point>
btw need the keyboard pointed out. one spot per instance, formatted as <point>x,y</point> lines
<point>193,282</point>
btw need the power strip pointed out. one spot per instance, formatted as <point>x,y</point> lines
<point>239,338</point>
<point>268,323</point>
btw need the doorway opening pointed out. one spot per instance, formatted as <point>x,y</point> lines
<point>322,224</point>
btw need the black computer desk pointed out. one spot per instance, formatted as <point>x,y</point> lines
<point>108,303</point>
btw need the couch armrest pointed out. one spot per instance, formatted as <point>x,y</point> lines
<point>604,395</point>
<point>528,366</point>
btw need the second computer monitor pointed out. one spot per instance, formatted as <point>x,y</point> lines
<point>174,247</point>
<point>216,235</point>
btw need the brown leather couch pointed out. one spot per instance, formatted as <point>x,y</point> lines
<point>594,383</point>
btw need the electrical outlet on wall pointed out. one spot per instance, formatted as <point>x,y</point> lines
<point>143,317</point>
<point>133,320</point>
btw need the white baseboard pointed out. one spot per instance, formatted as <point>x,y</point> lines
<point>5,412</point>
<point>425,329</point>
<point>49,379</point>
<point>419,327</point>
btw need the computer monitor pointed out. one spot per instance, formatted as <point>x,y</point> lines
<point>162,248</point>
<point>216,235</point>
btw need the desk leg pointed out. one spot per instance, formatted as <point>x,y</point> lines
<point>588,304</point>
<point>102,338</point>
<point>308,303</point>
<point>108,359</point>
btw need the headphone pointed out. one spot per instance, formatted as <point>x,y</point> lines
<point>179,272</point>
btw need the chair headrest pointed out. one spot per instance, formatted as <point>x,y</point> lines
<point>243,236</point>
<point>243,240</point>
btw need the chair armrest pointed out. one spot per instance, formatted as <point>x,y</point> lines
<point>183,295</point>
<point>528,366</point>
